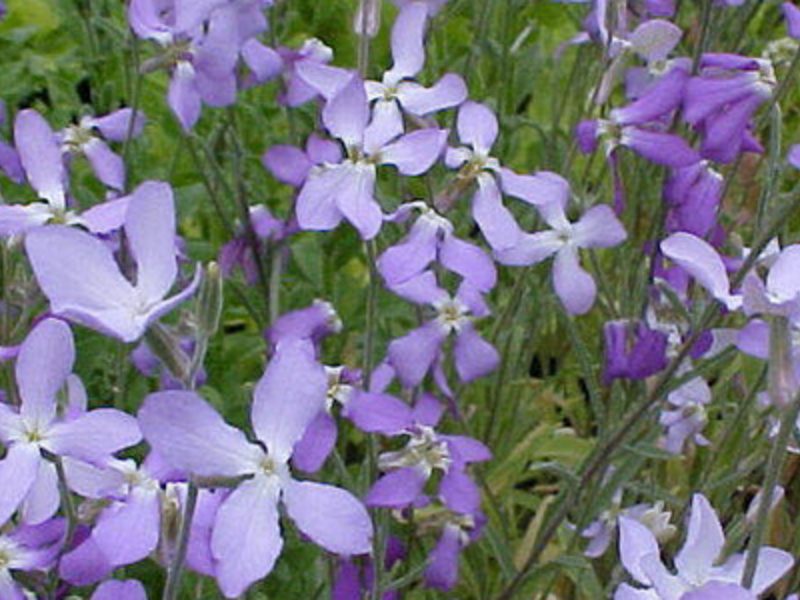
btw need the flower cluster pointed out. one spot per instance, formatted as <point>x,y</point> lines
<point>373,436</point>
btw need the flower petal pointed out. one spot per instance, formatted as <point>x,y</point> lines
<point>574,286</point>
<point>477,126</point>
<point>288,397</point>
<point>190,435</point>
<point>79,276</point>
<point>150,226</point>
<point>94,435</point>
<point>40,156</point>
<point>44,362</point>
<point>18,472</point>
<point>128,532</point>
<point>704,541</point>
<point>332,517</point>
<point>246,540</point>
<point>495,221</point>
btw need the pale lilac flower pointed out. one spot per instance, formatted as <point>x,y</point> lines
<point>792,16</point>
<point>779,294</point>
<point>434,6</point>
<point>28,549</point>
<point>82,139</point>
<point>793,156</point>
<point>603,531</point>
<point>41,159</point>
<point>319,439</point>
<point>478,129</point>
<point>246,539</point>
<point>298,89</point>
<point>406,471</point>
<point>27,479</point>
<point>78,274</point>
<point>132,503</point>
<point>415,354</point>
<point>132,515</point>
<point>192,14</point>
<point>292,166</point>
<point>397,92</point>
<point>597,228</point>
<point>431,238</point>
<point>313,323</point>
<point>346,190</point>
<point>116,589</point>
<point>703,263</point>
<point>687,420</point>
<point>696,563</point>
<point>201,61</point>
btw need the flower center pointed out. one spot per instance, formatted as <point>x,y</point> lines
<point>452,315</point>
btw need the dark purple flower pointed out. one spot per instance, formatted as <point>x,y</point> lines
<point>632,350</point>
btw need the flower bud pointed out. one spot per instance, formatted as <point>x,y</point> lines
<point>209,301</point>
<point>167,348</point>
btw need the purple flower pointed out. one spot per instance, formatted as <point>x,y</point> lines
<point>632,350</point>
<point>416,353</point>
<point>107,166</point>
<point>688,418</point>
<point>430,239</point>
<point>720,101</point>
<point>201,61</point>
<point>792,15</point>
<point>319,438</point>
<point>693,194</point>
<point>702,262</point>
<point>314,323</point>
<point>477,128</point>
<point>292,166</point>
<point>695,563</point>
<point>129,589</point>
<point>246,539</point>
<point>597,228</point>
<point>410,468</point>
<point>346,190</point>
<point>458,532</point>
<point>239,251</point>
<point>43,366</point>
<point>79,276</point>
<point>397,92</point>
<point>27,549</point>
<point>41,160</point>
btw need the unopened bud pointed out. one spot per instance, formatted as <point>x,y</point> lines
<point>167,348</point>
<point>781,384</point>
<point>209,301</point>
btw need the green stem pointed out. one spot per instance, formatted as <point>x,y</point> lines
<point>175,570</point>
<point>779,351</point>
